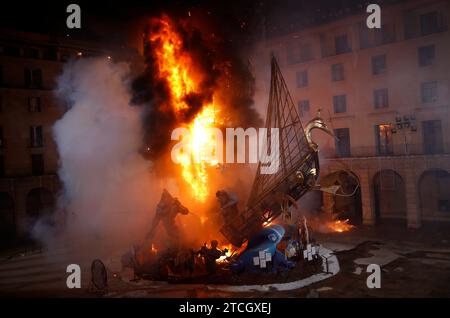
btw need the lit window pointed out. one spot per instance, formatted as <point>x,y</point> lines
<point>383,138</point>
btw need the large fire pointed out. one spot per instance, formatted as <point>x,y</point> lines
<point>199,157</point>
<point>176,66</point>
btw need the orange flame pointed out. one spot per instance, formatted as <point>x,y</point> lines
<point>176,66</point>
<point>173,63</point>
<point>230,249</point>
<point>203,219</point>
<point>340,226</point>
<point>196,160</point>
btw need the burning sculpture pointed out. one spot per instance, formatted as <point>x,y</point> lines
<point>299,165</point>
<point>166,211</point>
<point>189,99</point>
<point>261,250</point>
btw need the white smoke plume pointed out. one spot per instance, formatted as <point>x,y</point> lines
<point>107,185</point>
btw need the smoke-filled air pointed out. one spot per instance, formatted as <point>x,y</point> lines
<point>106,181</point>
<point>114,141</point>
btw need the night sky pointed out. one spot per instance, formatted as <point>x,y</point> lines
<point>112,20</point>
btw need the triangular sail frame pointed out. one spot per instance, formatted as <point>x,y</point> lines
<point>282,114</point>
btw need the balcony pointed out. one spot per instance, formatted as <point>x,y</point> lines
<point>35,144</point>
<point>416,24</point>
<point>397,150</point>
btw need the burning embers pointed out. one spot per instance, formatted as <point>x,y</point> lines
<point>340,226</point>
<point>323,224</point>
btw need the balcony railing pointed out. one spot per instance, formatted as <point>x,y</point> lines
<point>395,150</point>
<point>35,143</point>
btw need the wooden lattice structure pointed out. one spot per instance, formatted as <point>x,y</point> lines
<point>298,164</point>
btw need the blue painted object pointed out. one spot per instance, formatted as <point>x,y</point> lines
<point>264,244</point>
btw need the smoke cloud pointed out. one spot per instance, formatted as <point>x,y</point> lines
<point>110,189</point>
<point>107,184</point>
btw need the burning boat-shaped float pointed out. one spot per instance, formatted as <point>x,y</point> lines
<point>297,174</point>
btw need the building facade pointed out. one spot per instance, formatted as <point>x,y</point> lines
<point>29,67</point>
<point>385,93</point>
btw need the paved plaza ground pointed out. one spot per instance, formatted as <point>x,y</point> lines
<point>414,263</point>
